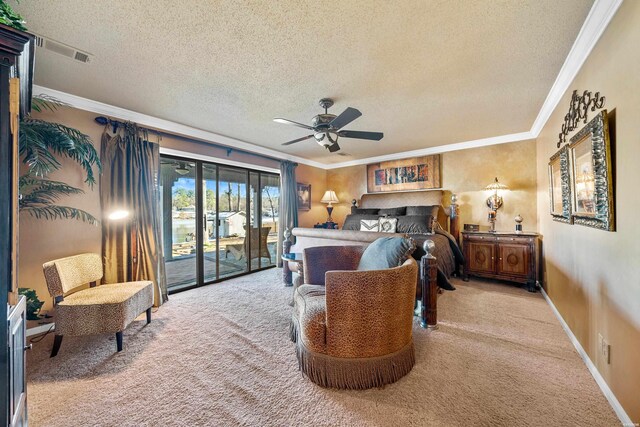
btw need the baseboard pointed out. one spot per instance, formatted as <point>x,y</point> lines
<point>39,329</point>
<point>613,401</point>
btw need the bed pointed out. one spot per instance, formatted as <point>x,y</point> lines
<point>436,268</point>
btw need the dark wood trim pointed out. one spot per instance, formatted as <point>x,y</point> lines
<point>429,295</point>
<point>16,60</point>
<point>200,222</point>
<point>119,340</point>
<point>57,342</point>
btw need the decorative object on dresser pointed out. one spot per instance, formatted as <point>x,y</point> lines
<point>518,219</point>
<point>471,227</point>
<point>329,198</point>
<point>494,201</point>
<point>417,173</point>
<point>591,172</point>
<point>304,196</point>
<point>503,255</point>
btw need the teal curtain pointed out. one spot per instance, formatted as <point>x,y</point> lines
<point>132,247</point>
<point>288,202</point>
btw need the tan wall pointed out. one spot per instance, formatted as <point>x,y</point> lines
<point>318,180</point>
<point>593,276</point>
<point>466,173</point>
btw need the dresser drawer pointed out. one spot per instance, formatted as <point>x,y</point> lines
<point>480,238</point>
<point>513,239</point>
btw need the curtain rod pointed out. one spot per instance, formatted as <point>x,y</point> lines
<point>104,121</point>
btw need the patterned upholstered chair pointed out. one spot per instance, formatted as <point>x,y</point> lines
<point>95,310</point>
<point>353,329</point>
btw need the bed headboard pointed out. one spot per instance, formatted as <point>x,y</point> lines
<point>447,217</point>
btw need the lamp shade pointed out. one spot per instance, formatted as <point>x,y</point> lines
<point>329,197</point>
<point>495,185</point>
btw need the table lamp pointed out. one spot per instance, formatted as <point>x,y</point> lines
<point>329,197</point>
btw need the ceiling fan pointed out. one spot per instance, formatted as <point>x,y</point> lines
<point>326,127</point>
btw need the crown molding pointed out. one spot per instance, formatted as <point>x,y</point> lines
<point>167,125</point>
<point>595,24</point>
<point>597,21</point>
<point>494,140</point>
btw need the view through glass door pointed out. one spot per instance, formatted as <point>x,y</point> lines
<point>218,221</point>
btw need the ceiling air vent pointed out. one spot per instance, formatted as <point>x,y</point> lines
<point>62,49</point>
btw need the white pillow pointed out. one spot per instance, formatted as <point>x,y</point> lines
<point>388,225</point>
<point>369,225</point>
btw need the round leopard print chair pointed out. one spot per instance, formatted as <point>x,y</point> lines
<point>353,329</point>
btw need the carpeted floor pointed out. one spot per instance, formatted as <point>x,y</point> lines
<point>221,355</point>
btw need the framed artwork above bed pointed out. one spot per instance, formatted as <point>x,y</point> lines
<point>417,173</point>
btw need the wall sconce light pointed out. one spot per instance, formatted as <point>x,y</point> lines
<point>494,201</point>
<point>329,197</point>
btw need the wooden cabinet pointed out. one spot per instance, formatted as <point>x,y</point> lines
<point>16,71</point>
<point>506,256</point>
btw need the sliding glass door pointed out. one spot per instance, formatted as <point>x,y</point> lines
<point>219,221</point>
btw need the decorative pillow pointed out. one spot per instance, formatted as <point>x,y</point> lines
<point>388,225</point>
<point>369,225</point>
<point>415,224</point>
<point>364,211</point>
<point>392,211</point>
<point>386,252</point>
<point>424,210</point>
<point>352,222</point>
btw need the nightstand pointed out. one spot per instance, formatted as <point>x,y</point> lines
<point>503,255</point>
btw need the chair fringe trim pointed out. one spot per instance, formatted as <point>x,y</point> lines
<point>354,373</point>
<point>293,329</point>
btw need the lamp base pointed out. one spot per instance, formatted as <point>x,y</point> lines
<point>329,211</point>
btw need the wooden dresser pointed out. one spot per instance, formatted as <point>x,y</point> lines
<point>503,255</point>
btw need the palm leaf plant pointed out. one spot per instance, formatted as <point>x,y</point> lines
<point>41,143</point>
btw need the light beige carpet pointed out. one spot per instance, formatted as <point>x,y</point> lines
<point>221,355</point>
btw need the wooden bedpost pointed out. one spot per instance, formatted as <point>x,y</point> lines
<point>429,283</point>
<point>454,218</point>
<point>286,249</point>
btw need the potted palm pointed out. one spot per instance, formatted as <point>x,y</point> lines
<point>40,143</point>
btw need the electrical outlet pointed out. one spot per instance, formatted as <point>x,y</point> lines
<point>605,349</point>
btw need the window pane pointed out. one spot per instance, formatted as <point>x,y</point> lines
<point>209,188</point>
<point>177,186</point>
<point>270,199</point>
<point>232,221</point>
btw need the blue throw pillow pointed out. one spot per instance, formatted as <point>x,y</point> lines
<point>386,252</point>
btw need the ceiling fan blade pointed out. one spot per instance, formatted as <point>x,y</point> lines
<point>376,136</point>
<point>298,140</point>
<point>291,122</point>
<point>346,117</point>
<point>333,147</point>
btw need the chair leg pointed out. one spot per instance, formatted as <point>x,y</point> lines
<point>57,341</point>
<point>119,340</point>
<point>148,315</point>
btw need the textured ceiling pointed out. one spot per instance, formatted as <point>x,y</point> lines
<point>426,73</point>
